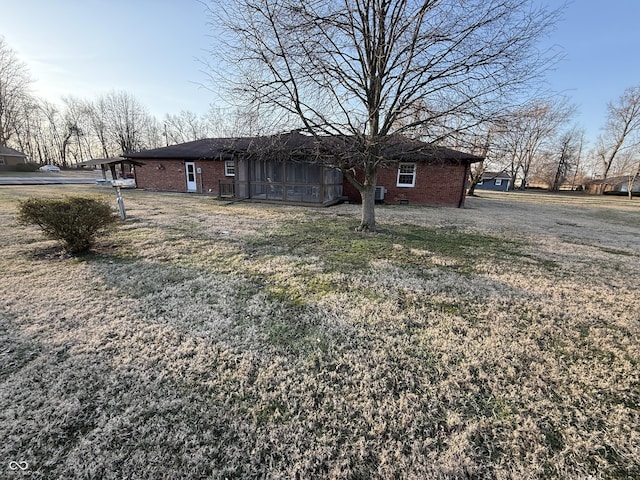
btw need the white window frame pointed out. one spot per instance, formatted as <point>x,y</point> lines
<point>2,162</point>
<point>480,182</point>
<point>401,174</point>
<point>229,168</point>
<point>498,181</point>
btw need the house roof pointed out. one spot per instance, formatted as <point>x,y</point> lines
<point>292,144</point>
<point>621,179</point>
<point>205,149</point>
<point>107,161</point>
<point>10,152</point>
<point>492,175</point>
<point>404,148</point>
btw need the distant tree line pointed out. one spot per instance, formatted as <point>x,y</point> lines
<point>540,144</point>
<point>78,129</point>
<point>535,143</point>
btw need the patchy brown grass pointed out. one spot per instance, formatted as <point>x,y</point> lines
<point>205,340</point>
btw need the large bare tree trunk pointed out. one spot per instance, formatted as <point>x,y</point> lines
<point>368,218</point>
<point>367,189</point>
<point>475,174</point>
<point>632,181</point>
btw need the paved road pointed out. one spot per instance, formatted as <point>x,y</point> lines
<point>46,180</point>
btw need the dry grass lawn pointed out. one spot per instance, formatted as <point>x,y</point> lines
<point>204,340</point>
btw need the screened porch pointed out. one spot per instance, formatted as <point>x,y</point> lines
<point>287,181</point>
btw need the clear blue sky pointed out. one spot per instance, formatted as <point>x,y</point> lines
<point>150,48</point>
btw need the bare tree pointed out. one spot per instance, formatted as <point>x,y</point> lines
<point>528,131</point>
<point>25,138</point>
<point>239,121</point>
<point>621,131</point>
<point>567,156</point>
<point>365,71</point>
<point>185,127</point>
<point>98,120</point>
<point>14,91</point>
<point>633,176</point>
<point>476,173</point>
<point>114,123</point>
<point>78,118</point>
<point>62,135</point>
<point>57,132</point>
<point>153,133</point>
<point>43,133</point>
<point>481,146</point>
<point>124,119</point>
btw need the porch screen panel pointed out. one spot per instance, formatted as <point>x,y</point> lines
<point>332,184</point>
<point>241,171</point>
<point>295,173</point>
<point>266,180</point>
<point>293,181</point>
<point>268,171</point>
<point>266,191</point>
<point>303,193</point>
<point>242,178</point>
<point>303,182</point>
<point>303,173</point>
<point>311,194</point>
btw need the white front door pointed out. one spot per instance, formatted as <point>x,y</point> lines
<point>190,169</point>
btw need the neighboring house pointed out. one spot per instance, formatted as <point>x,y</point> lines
<point>10,157</point>
<point>613,186</point>
<point>623,187</point>
<point>283,168</point>
<point>496,181</point>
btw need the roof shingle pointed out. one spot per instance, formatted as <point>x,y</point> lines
<point>296,144</point>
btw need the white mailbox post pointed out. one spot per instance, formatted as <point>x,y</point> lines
<point>117,184</point>
<point>113,165</point>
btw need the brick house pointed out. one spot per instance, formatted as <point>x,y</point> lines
<point>259,168</point>
<point>282,168</point>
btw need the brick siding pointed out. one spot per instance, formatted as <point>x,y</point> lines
<point>169,175</point>
<point>435,184</point>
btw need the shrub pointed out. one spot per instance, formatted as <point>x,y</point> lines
<point>76,221</point>
<point>25,167</point>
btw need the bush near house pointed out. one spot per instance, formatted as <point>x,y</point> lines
<point>76,221</point>
<point>20,167</point>
<point>26,167</point>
